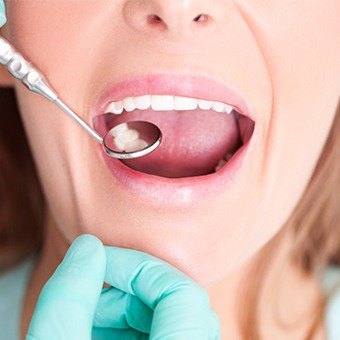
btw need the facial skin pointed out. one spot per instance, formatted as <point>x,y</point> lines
<point>283,57</point>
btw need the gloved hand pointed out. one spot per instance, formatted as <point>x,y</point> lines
<point>148,298</point>
<point>2,13</point>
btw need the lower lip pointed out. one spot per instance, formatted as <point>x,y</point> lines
<point>175,192</point>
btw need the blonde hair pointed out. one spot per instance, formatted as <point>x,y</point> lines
<point>315,219</point>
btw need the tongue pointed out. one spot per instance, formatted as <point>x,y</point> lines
<point>193,141</point>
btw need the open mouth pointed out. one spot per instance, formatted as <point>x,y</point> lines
<point>200,136</point>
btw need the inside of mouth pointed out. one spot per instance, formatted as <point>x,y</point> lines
<point>195,142</point>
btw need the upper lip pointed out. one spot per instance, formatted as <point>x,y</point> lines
<point>195,86</point>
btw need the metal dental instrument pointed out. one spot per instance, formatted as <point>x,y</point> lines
<point>147,136</point>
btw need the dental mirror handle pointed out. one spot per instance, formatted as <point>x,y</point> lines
<point>36,82</point>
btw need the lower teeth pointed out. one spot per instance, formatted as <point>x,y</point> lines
<point>223,162</point>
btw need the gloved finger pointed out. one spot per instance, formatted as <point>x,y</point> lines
<point>117,334</point>
<point>117,309</point>
<point>2,13</point>
<point>181,306</point>
<point>67,303</point>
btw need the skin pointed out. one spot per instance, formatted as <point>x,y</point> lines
<point>283,57</point>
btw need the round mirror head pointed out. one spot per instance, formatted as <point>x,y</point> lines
<point>132,139</point>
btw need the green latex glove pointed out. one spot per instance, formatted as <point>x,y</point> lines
<point>149,298</point>
<point>2,13</point>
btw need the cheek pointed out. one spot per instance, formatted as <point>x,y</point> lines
<point>61,42</point>
<point>302,49</point>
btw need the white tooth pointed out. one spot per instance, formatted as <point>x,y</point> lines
<point>120,145</point>
<point>115,107</point>
<point>125,138</point>
<point>118,130</point>
<point>204,104</point>
<point>129,104</point>
<point>136,145</point>
<point>220,164</point>
<point>218,106</point>
<point>162,103</point>
<point>185,103</point>
<point>142,102</point>
<point>228,108</point>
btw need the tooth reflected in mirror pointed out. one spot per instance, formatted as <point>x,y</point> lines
<point>139,137</point>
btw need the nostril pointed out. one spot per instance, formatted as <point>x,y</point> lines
<point>200,18</point>
<point>154,19</point>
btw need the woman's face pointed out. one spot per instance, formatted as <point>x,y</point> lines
<point>280,57</point>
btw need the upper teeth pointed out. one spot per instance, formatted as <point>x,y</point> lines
<point>166,103</point>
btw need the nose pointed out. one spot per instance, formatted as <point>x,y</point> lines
<point>169,16</point>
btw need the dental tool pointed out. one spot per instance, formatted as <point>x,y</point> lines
<point>124,141</point>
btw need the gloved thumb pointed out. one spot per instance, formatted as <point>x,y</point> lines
<point>67,303</point>
<point>2,13</point>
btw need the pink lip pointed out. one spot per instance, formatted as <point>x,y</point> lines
<point>175,192</point>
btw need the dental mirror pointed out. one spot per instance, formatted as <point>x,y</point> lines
<point>124,141</point>
<point>132,139</point>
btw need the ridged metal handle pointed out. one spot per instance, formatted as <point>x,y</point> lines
<point>24,71</point>
<point>34,81</point>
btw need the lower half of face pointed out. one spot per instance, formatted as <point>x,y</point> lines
<point>220,185</point>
